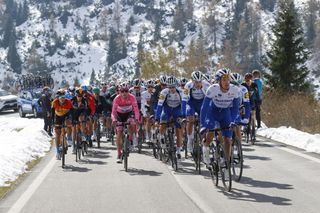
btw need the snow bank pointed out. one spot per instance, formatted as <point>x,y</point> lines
<point>293,137</point>
<point>22,140</point>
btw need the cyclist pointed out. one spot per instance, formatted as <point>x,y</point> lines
<point>243,117</point>
<point>136,90</point>
<point>124,109</point>
<point>146,109</point>
<point>61,109</point>
<point>257,80</point>
<point>254,97</point>
<point>80,108</point>
<point>90,113</point>
<point>183,81</point>
<point>193,96</point>
<point>100,103</point>
<point>157,89</point>
<point>220,107</point>
<point>169,106</point>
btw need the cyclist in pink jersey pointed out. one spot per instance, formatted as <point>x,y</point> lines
<point>124,109</point>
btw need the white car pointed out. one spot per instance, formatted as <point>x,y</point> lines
<point>8,101</point>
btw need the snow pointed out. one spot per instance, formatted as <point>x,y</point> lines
<point>293,137</point>
<point>22,140</point>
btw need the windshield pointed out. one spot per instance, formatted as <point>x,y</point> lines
<point>4,93</point>
<point>37,95</point>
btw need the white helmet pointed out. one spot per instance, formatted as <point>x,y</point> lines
<point>171,81</point>
<point>196,76</point>
<point>150,83</point>
<point>236,78</point>
<point>163,79</point>
<point>206,77</point>
<point>222,72</point>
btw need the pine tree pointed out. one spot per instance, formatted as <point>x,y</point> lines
<point>92,78</point>
<point>85,32</point>
<point>13,56</point>
<point>178,21</point>
<point>287,57</point>
<point>310,21</point>
<point>8,28</point>
<point>76,82</point>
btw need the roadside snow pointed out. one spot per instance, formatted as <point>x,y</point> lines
<point>22,140</point>
<point>293,137</point>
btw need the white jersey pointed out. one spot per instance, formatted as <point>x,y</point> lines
<point>145,102</point>
<point>137,93</point>
<point>222,99</point>
<point>173,100</point>
<point>191,92</point>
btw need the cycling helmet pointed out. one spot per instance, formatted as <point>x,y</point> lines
<point>112,90</point>
<point>61,93</point>
<point>84,88</point>
<point>222,72</point>
<point>183,81</point>
<point>136,82</point>
<point>124,86</point>
<point>96,90</point>
<point>71,89</point>
<point>196,76</point>
<point>171,81</point>
<point>45,89</point>
<point>206,77</point>
<point>79,91</point>
<point>89,88</point>
<point>236,78</point>
<point>248,76</point>
<point>150,83</point>
<point>163,79</point>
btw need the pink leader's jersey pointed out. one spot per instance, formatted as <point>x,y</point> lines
<point>121,105</point>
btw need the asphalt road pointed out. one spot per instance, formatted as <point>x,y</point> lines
<point>277,178</point>
<point>9,113</point>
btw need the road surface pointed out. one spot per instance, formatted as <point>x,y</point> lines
<point>276,178</point>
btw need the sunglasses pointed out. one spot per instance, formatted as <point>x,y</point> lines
<point>124,90</point>
<point>172,87</point>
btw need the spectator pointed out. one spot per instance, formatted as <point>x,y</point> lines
<point>45,103</point>
<point>257,79</point>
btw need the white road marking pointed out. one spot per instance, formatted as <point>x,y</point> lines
<point>195,197</point>
<point>24,198</point>
<point>300,154</point>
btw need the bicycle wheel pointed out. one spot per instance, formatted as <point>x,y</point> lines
<point>140,139</point>
<point>78,149</point>
<point>197,153</point>
<point>236,159</point>
<point>225,170</point>
<point>98,133</point>
<point>253,134</point>
<point>125,153</point>
<point>63,156</point>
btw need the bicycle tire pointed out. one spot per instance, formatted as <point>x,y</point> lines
<point>98,133</point>
<point>237,163</point>
<point>225,170</point>
<point>253,135</point>
<point>63,156</point>
<point>125,153</point>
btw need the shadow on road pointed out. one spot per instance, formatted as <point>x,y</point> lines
<point>133,172</point>
<point>88,161</point>
<point>71,168</point>
<point>245,195</point>
<point>264,184</point>
<point>254,157</point>
<point>98,154</point>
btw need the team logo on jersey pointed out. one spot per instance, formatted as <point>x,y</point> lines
<point>161,97</point>
<point>186,91</point>
<point>246,95</point>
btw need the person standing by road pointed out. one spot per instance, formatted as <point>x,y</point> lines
<point>257,79</point>
<point>45,103</point>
